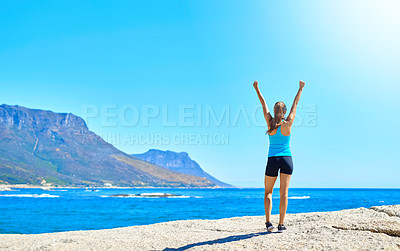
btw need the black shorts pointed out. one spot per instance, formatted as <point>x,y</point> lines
<point>284,163</point>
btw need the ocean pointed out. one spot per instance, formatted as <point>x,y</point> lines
<point>32,211</point>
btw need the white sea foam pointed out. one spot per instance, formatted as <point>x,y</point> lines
<point>298,197</point>
<point>7,189</point>
<point>44,195</point>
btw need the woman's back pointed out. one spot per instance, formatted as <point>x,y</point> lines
<point>279,144</point>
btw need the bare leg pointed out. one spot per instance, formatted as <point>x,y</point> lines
<point>284,190</point>
<point>269,186</point>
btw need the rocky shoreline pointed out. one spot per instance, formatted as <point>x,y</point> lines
<point>353,229</point>
<point>7,187</point>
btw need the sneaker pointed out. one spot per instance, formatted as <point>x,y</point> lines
<point>269,226</point>
<point>281,228</point>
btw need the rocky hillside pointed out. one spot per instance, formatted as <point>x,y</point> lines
<point>178,162</point>
<point>38,147</point>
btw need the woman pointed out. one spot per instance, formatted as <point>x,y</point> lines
<point>279,155</point>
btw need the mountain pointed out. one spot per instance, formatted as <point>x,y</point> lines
<point>178,162</point>
<point>39,147</point>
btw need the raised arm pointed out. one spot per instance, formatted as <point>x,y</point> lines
<point>267,114</point>
<point>292,114</point>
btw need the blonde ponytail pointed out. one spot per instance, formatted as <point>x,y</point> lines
<point>279,115</point>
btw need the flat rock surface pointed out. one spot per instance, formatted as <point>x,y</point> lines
<point>375,228</point>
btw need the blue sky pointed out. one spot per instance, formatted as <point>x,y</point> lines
<point>66,56</point>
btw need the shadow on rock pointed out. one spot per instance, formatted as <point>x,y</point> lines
<point>221,240</point>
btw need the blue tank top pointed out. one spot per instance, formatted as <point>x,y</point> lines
<point>279,144</point>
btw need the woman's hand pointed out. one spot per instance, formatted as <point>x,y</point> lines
<point>255,84</point>
<point>302,84</point>
<point>292,113</point>
<point>267,115</point>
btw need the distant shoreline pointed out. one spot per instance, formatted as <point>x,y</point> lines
<point>21,186</point>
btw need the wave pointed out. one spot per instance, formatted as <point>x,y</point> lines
<point>298,197</point>
<point>44,195</point>
<point>7,189</point>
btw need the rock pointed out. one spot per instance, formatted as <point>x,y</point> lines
<point>353,229</point>
<point>370,220</point>
<point>393,210</point>
<point>148,195</point>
